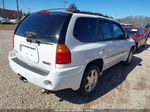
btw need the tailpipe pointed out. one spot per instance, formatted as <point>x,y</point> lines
<point>22,78</point>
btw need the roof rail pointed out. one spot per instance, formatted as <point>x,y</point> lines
<point>77,11</point>
<point>61,9</point>
<point>57,9</point>
<point>91,13</point>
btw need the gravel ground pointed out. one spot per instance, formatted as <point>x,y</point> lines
<point>120,87</point>
<point>7,26</point>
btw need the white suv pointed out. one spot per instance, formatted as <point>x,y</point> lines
<point>60,50</point>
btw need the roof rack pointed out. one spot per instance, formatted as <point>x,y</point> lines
<point>77,11</point>
<point>91,13</point>
<point>60,9</point>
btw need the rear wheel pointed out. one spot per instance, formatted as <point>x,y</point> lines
<point>89,80</point>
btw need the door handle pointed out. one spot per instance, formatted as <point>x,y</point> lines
<point>102,49</point>
<point>117,45</point>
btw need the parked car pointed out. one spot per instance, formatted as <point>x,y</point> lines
<point>14,21</point>
<point>5,20</point>
<point>147,29</point>
<point>60,50</point>
<point>137,34</point>
<point>1,19</point>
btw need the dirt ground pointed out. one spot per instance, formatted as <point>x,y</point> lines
<point>120,87</point>
<point>7,26</point>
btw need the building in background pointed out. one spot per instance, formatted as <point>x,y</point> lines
<point>11,14</point>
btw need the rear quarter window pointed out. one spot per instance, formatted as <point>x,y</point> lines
<point>86,29</point>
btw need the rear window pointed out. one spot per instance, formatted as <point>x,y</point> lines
<point>131,31</point>
<point>43,26</point>
<point>141,31</point>
<point>147,26</point>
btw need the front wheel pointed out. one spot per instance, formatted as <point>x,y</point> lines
<point>145,43</point>
<point>89,80</point>
<point>130,56</point>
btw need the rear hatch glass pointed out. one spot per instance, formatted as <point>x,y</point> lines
<point>131,31</point>
<point>42,26</point>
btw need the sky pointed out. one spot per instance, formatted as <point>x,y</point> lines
<point>114,8</point>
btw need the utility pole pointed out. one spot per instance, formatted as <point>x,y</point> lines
<point>3,13</point>
<point>65,2</point>
<point>18,17</point>
<point>3,4</point>
<point>116,15</point>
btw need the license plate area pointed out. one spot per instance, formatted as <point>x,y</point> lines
<point>29,52</point>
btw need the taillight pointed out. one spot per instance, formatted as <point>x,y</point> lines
<point>63,55</point>
<point>13,37</point>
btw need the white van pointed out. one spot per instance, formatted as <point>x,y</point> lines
<point>60,50</point>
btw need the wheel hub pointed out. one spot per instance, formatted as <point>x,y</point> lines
<point>91,80</point>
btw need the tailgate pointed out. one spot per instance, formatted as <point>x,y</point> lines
<point>40,55</point>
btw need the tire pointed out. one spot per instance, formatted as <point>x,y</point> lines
<point>145,43</point>
<point>130,56</point>
<point>136,47</point>
<point>89,80</point>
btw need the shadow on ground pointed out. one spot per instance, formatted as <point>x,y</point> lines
<point>110,79</point>
<point>141,49</point>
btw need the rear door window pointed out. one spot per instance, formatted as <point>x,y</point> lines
<point>107,30</point>
<point>100,31</point>
<point>86,29</point>
<point>42,26</point>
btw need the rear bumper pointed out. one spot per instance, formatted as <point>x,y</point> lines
<point>59,78</point>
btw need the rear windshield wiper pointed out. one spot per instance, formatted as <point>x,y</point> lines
<point>38,41</point>
<point>33,38</point>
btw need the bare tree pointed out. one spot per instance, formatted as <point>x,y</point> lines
<point>65,2</point>
<point>72,7</point>
<point>135,20</point>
